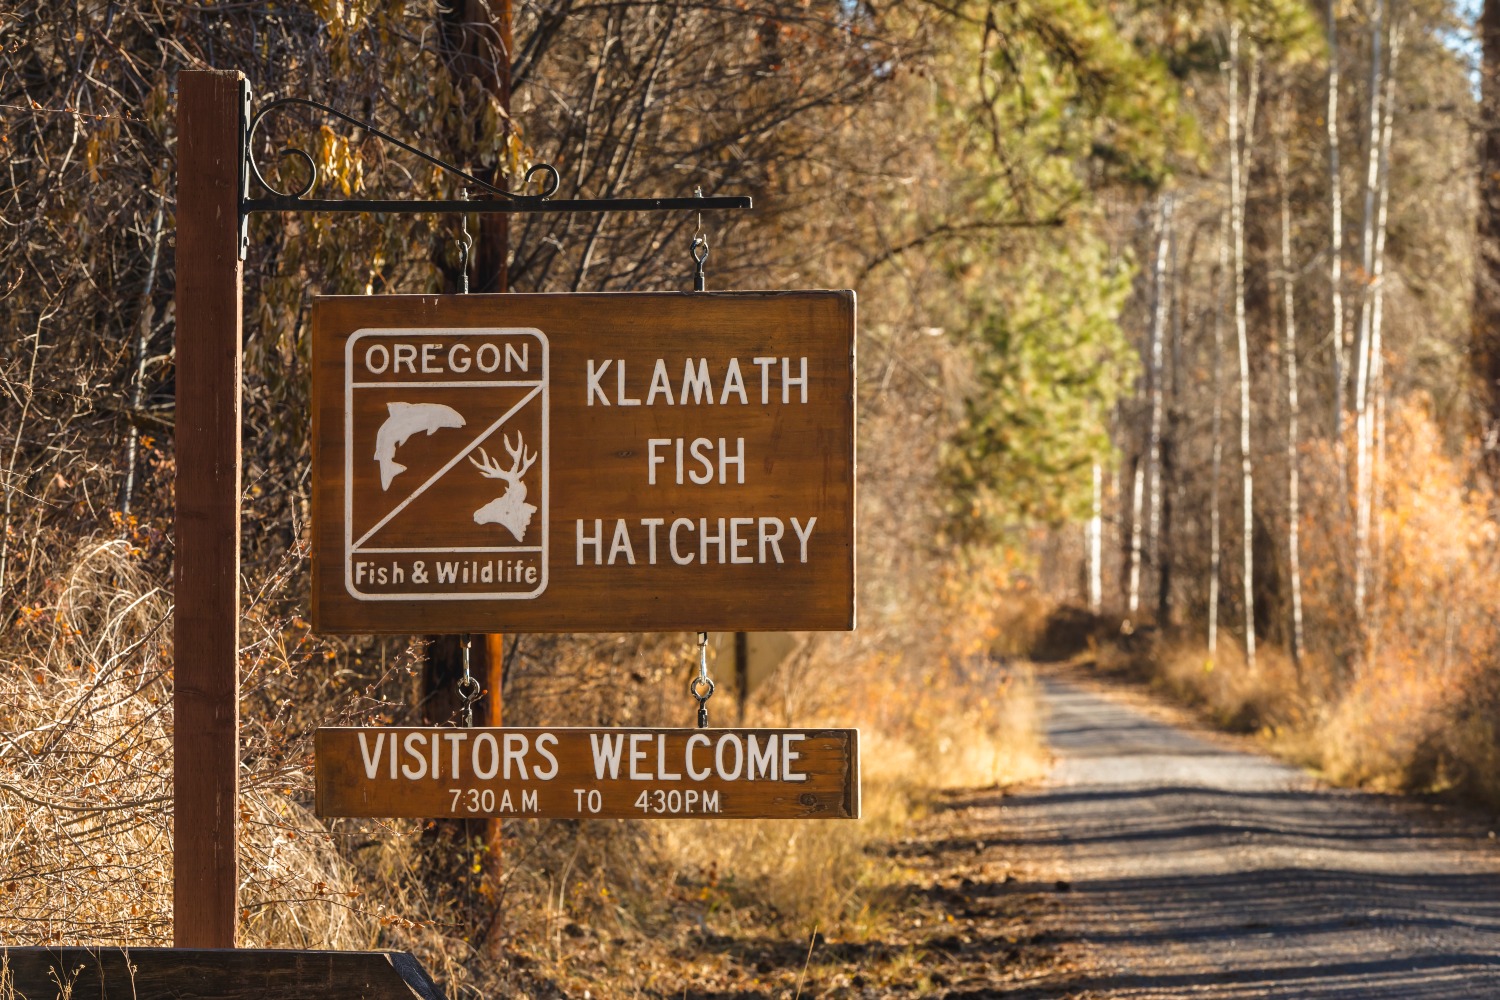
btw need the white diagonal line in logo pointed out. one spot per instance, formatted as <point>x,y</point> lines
<point>439,474</point>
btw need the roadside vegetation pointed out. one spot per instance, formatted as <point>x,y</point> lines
<point>1175,315</point>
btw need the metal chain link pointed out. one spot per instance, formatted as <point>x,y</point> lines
<point>699,250</point>
<point>702,686</point>
<point>465,247</point>
<point>468,687</point>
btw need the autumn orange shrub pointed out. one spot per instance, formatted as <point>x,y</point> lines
<point>1410,715</point>
<point>1407,695</point>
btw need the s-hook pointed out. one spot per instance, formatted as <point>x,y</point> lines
<point>468,686</point>
<point>699,250</point>
<point>702,686</point>
<point>465,247</point>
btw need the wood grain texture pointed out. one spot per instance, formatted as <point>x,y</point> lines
<point>238,974</point>
<point>796,459</point>
<point>565,773</point>
<point>206,582</point>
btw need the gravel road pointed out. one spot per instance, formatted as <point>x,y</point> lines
<point>1190,868</point>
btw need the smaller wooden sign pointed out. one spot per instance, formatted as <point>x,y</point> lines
<point>588,773</point>
<point>130,973</point>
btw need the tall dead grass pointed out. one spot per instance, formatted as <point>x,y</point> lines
<point>86,769</point>
<point>86,781</point>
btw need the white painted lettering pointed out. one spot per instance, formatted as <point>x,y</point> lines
<point>653,459</point>
<point>705,539</point>
<point>606,753</point>
<point>485,773</point>
<point>596,540</point>
<point>661,760</point>
<point>660,383</point>
<point>638,754</point>
<point>787,381</point>
<point>738,461</point>
<point>621,544</point>
<point>762,760</point>
<point>487,358</point>
<point>546,773</point>
<point>767,537</point>
<point>621,398</point>
<point>733,382</point>
<point>372,760</point>
<point>764,364</point>
<point>787,756</point>
<point>729,739</point>
<point>385,359</point>
<point>413,748</point>
<point>594,379</point>
<point>455,740</point>
<point>693,772</point>
<point>652,523</point>
<point>696,449</point>
<point>696,382</point>
<point>516,745</point>
<point>736,542</point>
<point>678,558</point>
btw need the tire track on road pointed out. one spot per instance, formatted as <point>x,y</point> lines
<point>1196,870</point>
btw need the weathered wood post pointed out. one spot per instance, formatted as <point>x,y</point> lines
<point>212,109</point>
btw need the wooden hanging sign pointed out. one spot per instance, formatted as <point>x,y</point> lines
<point>600,462</point>
<point>429,773</point>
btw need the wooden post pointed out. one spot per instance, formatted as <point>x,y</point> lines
<point>494,276</point>
<point>211,110</point>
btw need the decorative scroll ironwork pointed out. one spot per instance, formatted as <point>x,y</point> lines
<point>494,199</point>
<point>549,186</point>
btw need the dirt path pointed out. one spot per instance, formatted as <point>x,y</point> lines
<point>1193,868</point>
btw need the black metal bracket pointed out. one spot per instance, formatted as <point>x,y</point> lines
<point>490,199</point>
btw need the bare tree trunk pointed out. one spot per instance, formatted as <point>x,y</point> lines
<point>1215,545</point>
<point>1362,436</point>
<point>1155,386</point>
<point>1238,170</point>
<point>1289,313</point>
<point>1485,332</point>
<point>1336,230</point>
<point>1374,445</point>
<point>1172,483</point>
<point>145,317</point>
<point>1095,536</point>
<point>1137,531</point>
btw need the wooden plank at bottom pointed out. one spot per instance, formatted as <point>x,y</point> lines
<point>564,773</point>
<point>189,973</point>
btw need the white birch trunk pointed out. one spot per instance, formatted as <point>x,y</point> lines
<point>1289,313</point>
<point>1238,169</point>
<point>1336,231</point>
<point>1156,388</point>
<point>1362,429</point>
<point>1137,531</point>
<point>1096,544</point>
<point>1374,446</point>
<point>1215,545</point>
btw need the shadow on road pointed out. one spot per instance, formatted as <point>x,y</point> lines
<point>1195,870</point>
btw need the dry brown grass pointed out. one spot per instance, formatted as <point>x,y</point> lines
<point>85,790</point>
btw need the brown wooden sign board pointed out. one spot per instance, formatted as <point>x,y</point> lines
<point>599,462</point>
<point>110,973</point>
<point>564,773</point>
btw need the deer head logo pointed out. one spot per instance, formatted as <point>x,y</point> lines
<point>511,511</point>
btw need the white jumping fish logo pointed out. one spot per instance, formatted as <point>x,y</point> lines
<point>405,420</point>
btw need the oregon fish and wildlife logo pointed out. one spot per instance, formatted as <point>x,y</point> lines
<point>445,464</point>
